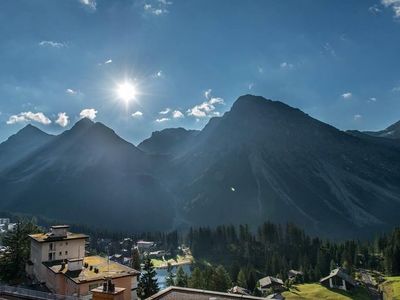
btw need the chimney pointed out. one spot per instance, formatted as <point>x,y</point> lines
<point>59,231</point>
<point>75,264</point>
<point>108,291</point>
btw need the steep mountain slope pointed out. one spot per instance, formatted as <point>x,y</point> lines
<point>19,145</point>
<point>392,132</point>
<point>168,141</point>
<point>266,160</point>
<point>88,175</point>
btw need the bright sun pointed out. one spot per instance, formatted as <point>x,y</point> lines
<point>126,91</point>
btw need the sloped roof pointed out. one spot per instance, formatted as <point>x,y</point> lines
<point>269,280</point>
<point>342,274</point>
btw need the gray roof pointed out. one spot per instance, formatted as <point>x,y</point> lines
<point>269,280</point>
<point>342,274</point>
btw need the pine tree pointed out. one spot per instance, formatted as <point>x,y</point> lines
<point>136,259</point>
<point>221,279</point>
<point>242,279</point>
<point>13,262</point>
<point>181,278</point>
<point>196,280</point>
<point>147,285</point>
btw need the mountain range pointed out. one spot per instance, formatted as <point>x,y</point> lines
<point>262,160</point>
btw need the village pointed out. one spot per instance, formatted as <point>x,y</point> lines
<point>62,263</point>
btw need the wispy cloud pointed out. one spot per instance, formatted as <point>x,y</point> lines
<point>161,120</point>
<point>165,111</point>
<point>329,49</point>
<point>260,69</point>
<point>157,8</point>
<point>374,9</point>
<point>91,4</point>
<point>396,89</point>
<point>207,108</point>
<point>52,44</point>
<point>108,61</point>
<point>372,99</point>
<point>250,86</point>
<point>177,114</point>
<point>286,65</point>
<point>71,91</point>
<point>347,95</point>
<point>62,119</point>
<point>89,113</point>
<point>357,117</point>
<point>38,117</point>
<point>394,4</point>
<point>137,114</point>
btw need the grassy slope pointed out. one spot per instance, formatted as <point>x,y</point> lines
<point>317,291</point>
<point>391,288</point>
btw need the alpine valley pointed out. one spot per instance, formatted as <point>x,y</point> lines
<point>263,160</point>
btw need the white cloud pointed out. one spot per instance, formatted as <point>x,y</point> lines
<point>286,65</point>
<point>207,108</point>
<point>394,4</point>
<point>347,95</point>
<point>165,111</point>
<point>177,114</point>
<point>29,116</point>
<point>109,61</point>
<point>71,91</point>
<point>157,8</point>
<point>89,113</point>
<point>159,74</point>
<point>162,120</point>
<point>260,69</point>
<point>373,99</point>
<point>251,85</point>
<point>137,114</point>
<point>52,44</point>
<point>63,119</point>
<point>357,117</point>
<point>89,3</point>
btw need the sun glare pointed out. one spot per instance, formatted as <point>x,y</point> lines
<point>126,91</point>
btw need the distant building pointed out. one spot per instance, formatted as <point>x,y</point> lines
<point>339,279</point>
<point>295,275</point>
<point>270,282</point>
<point>58,260</point>
<point>179,293</point>
<point>239,291</point>
<point>144,246</point>
<point>5,221</point>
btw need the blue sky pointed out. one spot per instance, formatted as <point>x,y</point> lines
<point>189,60</point>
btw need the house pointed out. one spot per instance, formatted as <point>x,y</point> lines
<point>295,275</point>
<point>275,296</point>
<point>270,282</point>
<point>339,279</point>
<point>4,221</point>
<point>144,246</point>
<point>239,291</point>
<point>58,260</point>
<point>179,293</point>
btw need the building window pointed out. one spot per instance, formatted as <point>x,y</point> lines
<point>60,253</point>
<point>51,256</point>
<point>66,243</point>
<point>51,246</point>
<point>66,252</point>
